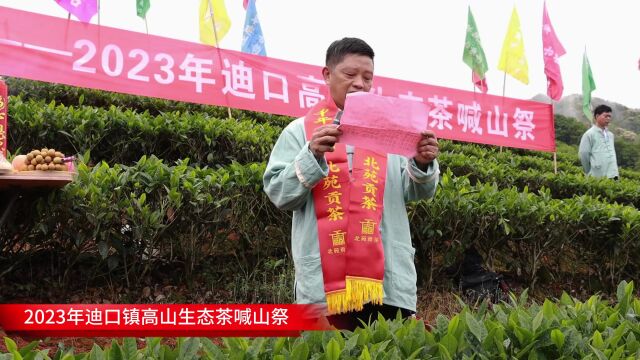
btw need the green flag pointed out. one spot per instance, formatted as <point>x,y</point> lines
<point>142,6</point>
<point>588,85</point>
<point>474,55</point>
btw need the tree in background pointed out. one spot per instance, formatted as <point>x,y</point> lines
<point>568,129</point>
<point>628,153</point>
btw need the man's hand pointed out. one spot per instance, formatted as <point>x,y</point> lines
<point>427,149</point>
<point>323,140</point>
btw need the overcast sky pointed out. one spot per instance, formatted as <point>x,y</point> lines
<point>419,40</point>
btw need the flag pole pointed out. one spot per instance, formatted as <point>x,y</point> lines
<point>146,26</point>
<point>66,30</point>
<point>215,35</point>
<point>555,152</point>
<point>473,84</point>
<point>99,28</point>
<point>504,83</point>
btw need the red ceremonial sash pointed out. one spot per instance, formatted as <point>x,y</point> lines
<point>349,211</point>
<point>4,103</point>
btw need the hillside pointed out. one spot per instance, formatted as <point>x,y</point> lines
<point>626,121</point>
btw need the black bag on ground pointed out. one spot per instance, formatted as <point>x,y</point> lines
<point>475,282</point>
<point>478,286</point>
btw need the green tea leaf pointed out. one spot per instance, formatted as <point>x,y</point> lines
<point>524,336</point>
<point>617,354</point>
<point>443,352</point>
<point>449,342</point>
<point>612,319</point>
<point>166,353</point>
<point>351,343</point>
<point>558,338</point>
<point>442,324</point>
<point>10,344</point>
<point>300,351</point>
<point>365,354</point>
<point>537,321</point>
<point>598,353</point>
<point>453,325</point>
<point>96,353</point>
<point>115,353</point>
<point>279,344</point>
<point>415,354</point>
<point>189,348</point>
<point>596,340</point>
<point>333,350</point>
<point>632,343</point>
<point>489,341</point>
<point>26,349</point>
<point>130,349</point>
<point>16,355</point>
<point>523,298</point>
<point>212,351</point>
<point>236,345</point>
<point>616,336</point>
<point>379,348</point>
<point>153,346</point>
<point>565,299</point>
<point>477,328</point>
<point>41,355</point>
<point>549,309</point>
<point>526,349</point>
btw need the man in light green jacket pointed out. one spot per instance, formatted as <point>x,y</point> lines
<point>597,151</point>
<point>298,164</point>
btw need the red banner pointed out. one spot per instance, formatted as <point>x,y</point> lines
<point>175,320</point>
<point>4,103</point>
<point>57,50</point>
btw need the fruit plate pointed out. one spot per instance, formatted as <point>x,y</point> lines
<point>36,178</point>
<point>51,174</point>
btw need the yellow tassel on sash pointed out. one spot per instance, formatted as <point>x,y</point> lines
<point>358,292</point>
<point>337,302</point>
<point>363,290</point>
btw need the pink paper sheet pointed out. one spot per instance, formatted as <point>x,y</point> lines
<point>387,125</point>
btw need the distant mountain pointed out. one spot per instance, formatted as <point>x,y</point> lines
<point>626,121</point>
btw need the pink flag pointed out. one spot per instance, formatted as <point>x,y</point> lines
<point>245,3</point>
<point>552,50</point>
<point>82,9</point>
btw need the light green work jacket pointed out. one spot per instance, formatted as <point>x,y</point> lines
<point>598,154</point>
<point>291,174</point>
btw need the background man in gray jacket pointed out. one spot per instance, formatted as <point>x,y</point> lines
<point>597,151</point>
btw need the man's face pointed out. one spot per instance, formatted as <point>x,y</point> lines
<point>603,120</point>
<point>353,73</point>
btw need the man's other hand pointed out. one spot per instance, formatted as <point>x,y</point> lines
<point>427,149</point>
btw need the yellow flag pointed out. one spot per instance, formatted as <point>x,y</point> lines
<point>512,59</point>
<point>213,12</point>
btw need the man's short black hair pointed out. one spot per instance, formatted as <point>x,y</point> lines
<point>346,46</point>
<point>601,109</point>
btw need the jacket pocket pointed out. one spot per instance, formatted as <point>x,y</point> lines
<point>596,164</point>
<point>309,280</point>
<point>403,269</point>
